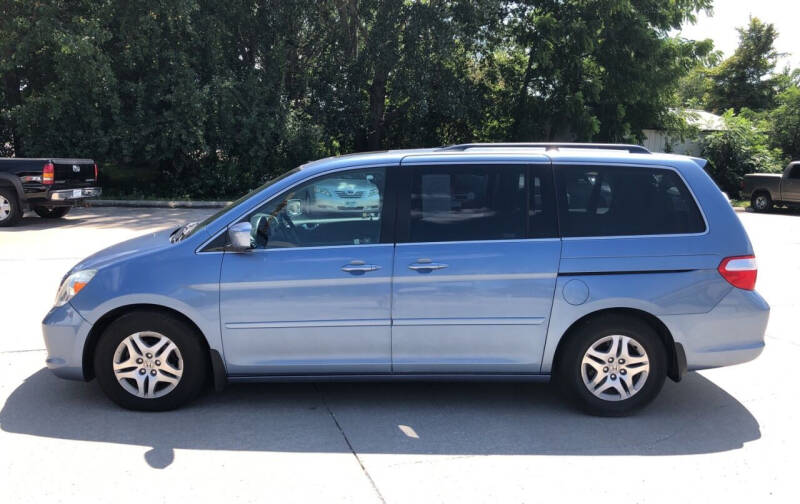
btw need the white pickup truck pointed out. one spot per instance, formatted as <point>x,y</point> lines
<point>768,189</point>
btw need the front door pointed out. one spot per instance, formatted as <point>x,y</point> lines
<point>475,273</point>
<point>314,295</point>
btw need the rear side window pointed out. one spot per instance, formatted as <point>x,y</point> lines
<point>620,201</point>
<point>795,173</point>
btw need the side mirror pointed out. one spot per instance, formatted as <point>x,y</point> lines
<point>240,236</point>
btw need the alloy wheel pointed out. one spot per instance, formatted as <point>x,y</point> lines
<point>615,367</point>
<point>148,364</point>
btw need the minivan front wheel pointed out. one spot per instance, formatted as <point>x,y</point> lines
<point>150,361</point>
<point>613,365</point>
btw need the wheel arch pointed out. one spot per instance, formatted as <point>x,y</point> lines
<point>12,181</point>
<point>761,190</point>
<point>675,355</point>
<point>103,322</point>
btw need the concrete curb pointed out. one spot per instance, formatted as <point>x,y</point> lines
<point>157,204</point>
<point>741,209</point>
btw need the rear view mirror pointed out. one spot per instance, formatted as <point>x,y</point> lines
<point>240,236</point>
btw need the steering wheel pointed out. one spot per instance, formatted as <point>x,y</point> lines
<point>287,227</point>
<point>273,228</point>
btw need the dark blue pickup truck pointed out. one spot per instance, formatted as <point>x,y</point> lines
<point>48,186</point>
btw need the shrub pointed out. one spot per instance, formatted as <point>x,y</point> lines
<point>743,147</point>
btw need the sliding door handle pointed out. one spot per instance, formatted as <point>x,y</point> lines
<point>426,267</point>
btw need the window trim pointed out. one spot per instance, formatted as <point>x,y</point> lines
<point>557,165</point>
<point>405,187</point>
<point>390,167</point>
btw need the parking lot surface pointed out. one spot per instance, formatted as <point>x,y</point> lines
<point>719,435</point>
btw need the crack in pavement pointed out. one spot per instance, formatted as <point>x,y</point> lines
<point>347,441</point>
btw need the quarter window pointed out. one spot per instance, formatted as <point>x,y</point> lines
<point>344,208</point>
<point>619,201</point>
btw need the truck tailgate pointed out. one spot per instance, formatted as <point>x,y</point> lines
<point>73,173</point>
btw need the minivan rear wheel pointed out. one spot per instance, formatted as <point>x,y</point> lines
<point>613,365</point>
<point>150,361</point>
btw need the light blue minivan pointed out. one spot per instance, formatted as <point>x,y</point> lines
<point>604,267</point>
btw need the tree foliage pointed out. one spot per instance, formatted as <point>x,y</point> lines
<point>214,97</point>
<point>746,80</point>
<point>743,147</point>
<point>785,123</point>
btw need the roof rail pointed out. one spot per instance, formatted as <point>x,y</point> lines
<point>633,149</point>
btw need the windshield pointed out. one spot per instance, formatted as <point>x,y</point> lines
<point>192,227</point>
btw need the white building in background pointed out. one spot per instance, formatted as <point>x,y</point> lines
<point>705,122</point>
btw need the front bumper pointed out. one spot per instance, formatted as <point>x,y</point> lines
<point>65,333</point>
<point>731,333</point>
<point>74,194</point>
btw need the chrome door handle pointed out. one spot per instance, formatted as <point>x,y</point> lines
<point>358,267</point>
<point>424,267</point>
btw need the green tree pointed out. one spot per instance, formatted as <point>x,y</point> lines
<point>601,69</point>
<point>743,147</point>
<point>785,123</point>
<point>207,99</point>
<point>693,88</point>
<point>746,79</point>
<point>58,85</point>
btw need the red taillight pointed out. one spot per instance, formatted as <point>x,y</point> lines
<point>48,174</point>
<point>95,172</point>
<point>739,271</point>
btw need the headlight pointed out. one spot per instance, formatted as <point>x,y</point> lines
<point>73,285</point>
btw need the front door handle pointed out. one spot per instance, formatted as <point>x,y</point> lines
<point>426,266</point>
<point>359,267</point>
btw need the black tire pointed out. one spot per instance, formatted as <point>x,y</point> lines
<point>9,205</point>
<point>51,213</point>
<point>195,360</point>
<point>568,370</point>
<point>761,202</point>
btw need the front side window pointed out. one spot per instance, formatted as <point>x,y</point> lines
<point>343,208</point>
<point>469,202</point>
<point>621,201</point>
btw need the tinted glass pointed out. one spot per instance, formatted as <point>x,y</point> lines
<point>211,218</point>
<point>541,206</point>
<point>471,202</point>
<point>344,208</point>
<point>795,172</point>
<point>618,201</point>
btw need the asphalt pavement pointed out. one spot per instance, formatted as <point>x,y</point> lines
<point>719,435</point>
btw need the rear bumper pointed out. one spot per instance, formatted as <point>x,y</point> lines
<point>731,333</point>
<point>65,333</point>
<point>39,195</point>
<point>74,194</point>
